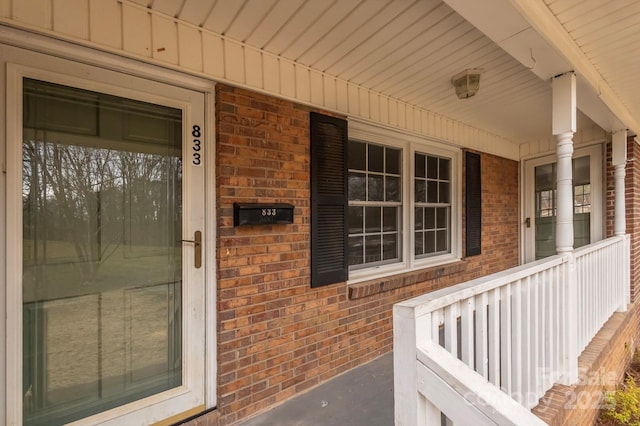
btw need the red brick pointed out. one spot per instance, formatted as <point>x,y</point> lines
<point>297,336</point>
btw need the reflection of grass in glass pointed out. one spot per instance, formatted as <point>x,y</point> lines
<point>106,347</point>
<point>60,276</point>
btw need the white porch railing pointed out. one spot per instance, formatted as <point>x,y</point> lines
<point>601,269</point>
<point>513,333</point>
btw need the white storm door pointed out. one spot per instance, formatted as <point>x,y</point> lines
<point>105,233</point>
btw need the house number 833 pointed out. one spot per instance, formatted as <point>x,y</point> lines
<point>197,134</point>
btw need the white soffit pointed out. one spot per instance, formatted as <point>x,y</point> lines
<point>503,22</point>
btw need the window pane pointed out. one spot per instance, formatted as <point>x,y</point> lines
<point>391,219</point>
<point>419,219</point>
<point>429,218</point>
<point>443,192</point>
<point>356,250</point>
<point>393,189</point>
<point>376,158</point>
<point>355,220</point>
<point>376,188</point>
<point>432,191</point>
<point>441,241</point>
<point>419,243</point>
<point>443,170</point>
<point>420,166</point>
<point>390,247</point>
<point>441,217</point>
<point>545,177</point>
<point>421,191</point>
<point>393,161</point>
<point>373,248</point>
<point>429,242</point>
<point>432,167</point>
<point>357,187</point>
<point>581,171</point>
<point>373,219</point>
<point>357,155</point>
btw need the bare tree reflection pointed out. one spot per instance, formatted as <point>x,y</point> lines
<point>92,201</point>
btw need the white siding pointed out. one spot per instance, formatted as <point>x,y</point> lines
<point>132,29</point>
<point>71,17</point>
<point>136,29</point>
<point>586,136</point>
<point>190,47</point>
<point>5,8</point>
<point>213,55</point>
<point>105,23</point>
<point>234,63</point>
<point>165,39</point>
<point>36,13</point>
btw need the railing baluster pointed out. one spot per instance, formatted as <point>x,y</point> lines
<point>467,307</point>
<point>451,329</point>
<point>552,314</point>
<point>494,337</point>
<point>505,338</point>
<point>516,348</point>
<point>436,321</point>
<point>481,335</point>
<point>547,326</point>
<point>527,343</point>
<point>535,339</point>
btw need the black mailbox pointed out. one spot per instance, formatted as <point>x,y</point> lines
<point>262,214</point>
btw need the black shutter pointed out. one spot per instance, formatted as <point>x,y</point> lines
<point>328,200</point>
<point>473,204</point>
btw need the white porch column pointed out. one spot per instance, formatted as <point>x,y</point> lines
<point>619,160</point>
<point>564,126</point>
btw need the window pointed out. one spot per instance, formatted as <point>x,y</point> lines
<point>375,203</point>
<point>432,185</point>
<point>382,201</point>
<point>403,212</point>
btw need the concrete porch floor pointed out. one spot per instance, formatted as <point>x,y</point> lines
<point>359,397</point>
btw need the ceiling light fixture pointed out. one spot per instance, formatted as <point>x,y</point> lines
<point>467,83</point>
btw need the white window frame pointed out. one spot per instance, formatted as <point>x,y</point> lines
<point>410,144</point>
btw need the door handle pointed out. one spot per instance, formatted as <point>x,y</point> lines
<point>527,222</point>
<point>197,245</point>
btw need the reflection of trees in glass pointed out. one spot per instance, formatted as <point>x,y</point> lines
<point>83,203</point>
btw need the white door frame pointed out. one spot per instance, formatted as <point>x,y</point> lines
<point>528,198</point>
<point>124,68</point>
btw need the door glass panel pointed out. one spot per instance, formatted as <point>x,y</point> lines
<point>581,202</point>
<point>545,202</point>
<point>545,178</point>
<point>102,274</point>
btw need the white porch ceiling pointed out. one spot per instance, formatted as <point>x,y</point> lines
<point>410,49</point>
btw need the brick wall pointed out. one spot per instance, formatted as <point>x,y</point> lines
<point>276,335</point>
<point>602,366</point>
<point>500,213</point>
<point>632,207</point>
<point>632,203</point>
